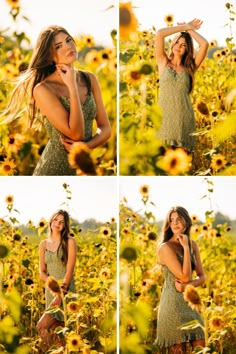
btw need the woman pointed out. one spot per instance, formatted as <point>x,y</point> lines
<point>57,258</point>
<point>66,100</point>
<point>176,73</point>
<point>179,257</point>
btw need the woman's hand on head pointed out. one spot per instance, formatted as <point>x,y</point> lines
<point>67,74</point>
<point>194,24</point>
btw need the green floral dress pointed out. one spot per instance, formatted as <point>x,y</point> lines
<point>57,269</point>
<point>54,159</point>
<point>178,121</point>
<point>173,312</point>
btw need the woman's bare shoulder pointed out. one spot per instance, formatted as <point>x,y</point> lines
<point>163,248</point>
<point>42,244</point>
<point>194,245</point>
<point>71,240</point>
<point>43,87</point>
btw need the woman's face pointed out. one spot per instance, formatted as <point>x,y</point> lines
<point>58,223</point>
<point>177,223</point>
<point>64,49</point>
<point>180,47</point>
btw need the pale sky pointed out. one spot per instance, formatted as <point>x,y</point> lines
<point>213,13</point>
<point>39,197</point>
<point>166,192</point>
<point>79,17</point>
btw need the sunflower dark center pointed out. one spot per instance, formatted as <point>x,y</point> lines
<point>125,17</point>
<point>173,162</point>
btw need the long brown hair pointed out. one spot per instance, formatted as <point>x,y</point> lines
<point>167,232</point>
<point>65,233</point>
<point>188,57</point>
<point>41,65</point>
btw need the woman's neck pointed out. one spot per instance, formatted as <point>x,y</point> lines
<point>55,236</point>
<point>176,62</point>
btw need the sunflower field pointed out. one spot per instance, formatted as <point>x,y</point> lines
<point>141,278</point>
<point>22,147</point>
<point>213,100</point>
<point>90,313</point>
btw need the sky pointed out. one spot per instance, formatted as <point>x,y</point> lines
<point>213,13</point>
<point>79,17</point>
<point>166,192</point>
<point>40,197</point>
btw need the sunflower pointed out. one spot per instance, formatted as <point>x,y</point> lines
<point>202,108</point>
<point>53,285</point>
<point>146,69</point>
<point>74,342</point>
<point>125,230</point>
<point>218,162</point>
<point>86,350</point>
<point>175,161</point>
<point>7,167</point>
<point>152,236</point>
<point>205,227</point>
<point>169,20</point>
<point>80,159</point>
<point>73,307</point>
<point>3,251</point>
<point>213,44</point>
<point>129,253</point>
<point>13,3</point>
<point>134,76</point>
<point>112,65</point>
<point>128,21</point>
<point>192,297</point>
<point>105,273</point>
<point>88,41</point>
<point>217,54</point>
<point>14,142</point>
<point>194,218</point>
<point>17,237</point>
<point>29,281</point>
<point>42,223</point>
<point>147,284</point>
<point>195,229</point>
<point>92,57</point>
<point>105,231</point>
<point>216,323</point>
<point>223,52</point>
<point>9,199</point>
<point>144,190</point>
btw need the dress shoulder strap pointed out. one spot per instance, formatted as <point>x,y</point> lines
<point>86,78</point>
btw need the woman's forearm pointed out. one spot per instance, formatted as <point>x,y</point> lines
<point>168,31</point>
<point>198,38</point>
<point>76,117</point>
<point>43,276</point>
<point>187,269</point>
<point>200,280</point>
<point>101,136</point>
